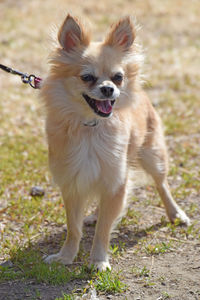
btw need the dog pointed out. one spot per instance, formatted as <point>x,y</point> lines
<point>100,126</point>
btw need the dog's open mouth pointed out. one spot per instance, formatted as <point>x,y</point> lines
<point>102,108</point>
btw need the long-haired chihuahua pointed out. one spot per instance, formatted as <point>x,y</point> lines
<point>100,126</point>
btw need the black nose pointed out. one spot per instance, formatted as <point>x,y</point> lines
<point>107,91</point>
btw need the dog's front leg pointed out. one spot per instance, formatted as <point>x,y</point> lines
<point>110,209</point>
<point>74,206</point>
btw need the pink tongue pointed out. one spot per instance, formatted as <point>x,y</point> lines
<point>104,106</point>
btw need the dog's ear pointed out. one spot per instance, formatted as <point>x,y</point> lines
<point>121,35</point>
<point>72,34</point>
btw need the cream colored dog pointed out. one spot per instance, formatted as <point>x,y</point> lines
<point>100,125</point>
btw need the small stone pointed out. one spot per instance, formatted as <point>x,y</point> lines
<point>191,292</point>
<point>37,191</point>
<point>7,263</point>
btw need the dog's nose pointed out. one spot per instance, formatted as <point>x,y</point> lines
<point>107,91</point>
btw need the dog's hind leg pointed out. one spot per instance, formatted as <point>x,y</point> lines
<point>154,161</point>
<point>74,206</point>
<point>110,209</point>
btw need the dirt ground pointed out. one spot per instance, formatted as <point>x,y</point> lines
<point>156,260</point>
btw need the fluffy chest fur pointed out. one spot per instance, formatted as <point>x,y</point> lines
<point>91,156</point>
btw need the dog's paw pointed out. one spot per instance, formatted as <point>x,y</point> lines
<point>181,215</point>
<point>58,258</point>
<point>101,265</point>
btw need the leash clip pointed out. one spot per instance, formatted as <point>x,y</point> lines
<point>25,78</point>
<point>32,80</point>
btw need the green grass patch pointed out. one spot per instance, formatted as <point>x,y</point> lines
<point>158,248</point>
<point>109,282</point>
<point>143,275</point>
<point>21,162</point>
<point>28,264</point>
<point>132,217</point>
<point>117,249</point>
<point>141,272</point>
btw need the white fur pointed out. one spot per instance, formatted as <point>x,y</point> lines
<point>86,157</point>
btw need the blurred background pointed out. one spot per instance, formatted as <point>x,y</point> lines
<point>169,35</point>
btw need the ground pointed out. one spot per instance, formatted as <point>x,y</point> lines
<point>151,258</point>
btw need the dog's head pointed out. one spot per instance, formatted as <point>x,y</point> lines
<point>98,77</point>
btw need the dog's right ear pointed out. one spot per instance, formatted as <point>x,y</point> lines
<point>72,34</point>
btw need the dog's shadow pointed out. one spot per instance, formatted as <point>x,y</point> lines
<point>124,239</point>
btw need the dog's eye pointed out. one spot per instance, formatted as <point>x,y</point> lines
<point>88,78</point>
<point>117,78</point>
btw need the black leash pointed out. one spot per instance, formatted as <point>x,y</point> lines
<point>32,80</point>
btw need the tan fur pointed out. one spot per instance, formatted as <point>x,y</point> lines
<point>95,162</point>
<point>116,36</point>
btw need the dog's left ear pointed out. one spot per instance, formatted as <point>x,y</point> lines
<point>72,34</point>
<point>121,35</point>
